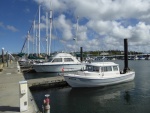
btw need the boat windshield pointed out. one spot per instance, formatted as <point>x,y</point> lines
<point>50,59</point>
<point>68,60</point>
<point>115,68</point>
<point>106,68</point>
<point>57,60</point>
<point>92,68</point>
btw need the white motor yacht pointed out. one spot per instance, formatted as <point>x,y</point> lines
<point>60,62</point>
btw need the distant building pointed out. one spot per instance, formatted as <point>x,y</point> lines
<point>104,53</point>
<point>122,52</point>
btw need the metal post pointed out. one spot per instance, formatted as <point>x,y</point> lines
<point>125,55</point>
<point>7,58</point>
<point>2,55</point>
<point>18,67</point>
<point>43,108</point>
<point>81,53</point>
<point>47,104</point>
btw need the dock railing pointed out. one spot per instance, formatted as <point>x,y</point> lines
<point>5,60</point>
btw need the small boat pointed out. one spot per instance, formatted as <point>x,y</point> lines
<point>147,57</point>
<point>141,58</point>
<point>102,73</point>
<point>24,62</point>
<point>136,58</point>
<point>99,74</point>
<point>60,62</point>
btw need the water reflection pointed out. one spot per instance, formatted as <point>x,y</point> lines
<point>127,97</point>
<point>100,98</point>
<point>107,92</point>
<point>121,98</point>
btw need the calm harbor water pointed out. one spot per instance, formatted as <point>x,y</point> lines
<point>131,97</point>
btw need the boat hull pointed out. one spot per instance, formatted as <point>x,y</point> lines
<point>83,81</point>
<point>59,67</point>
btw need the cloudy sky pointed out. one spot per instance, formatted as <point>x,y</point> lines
<point>102,24</point>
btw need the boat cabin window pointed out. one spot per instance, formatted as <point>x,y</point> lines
<point>106,68</point>
<point>89,68</point>
<point>57,60</point>
<point>68,60</point>
<point>96,68</point>
<point>49,60</point>
<point>115,68</point>
<point>92,68</point>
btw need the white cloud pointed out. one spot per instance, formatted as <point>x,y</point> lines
<point>108,9</point>
<point>63,25</point>
<point>8,27</point>
<point>1,25</point>
<point>12,28</point>
<point>114,32</point>
<point>27,10</point>
<point>55,5</point>
<point>102,19</point>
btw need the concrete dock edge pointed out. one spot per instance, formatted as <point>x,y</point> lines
<point>9,91</point>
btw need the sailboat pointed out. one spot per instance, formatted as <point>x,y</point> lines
<point>59,62</point>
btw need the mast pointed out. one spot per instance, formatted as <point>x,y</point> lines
<point>50,28</point>
<point>39,32</point>
<point>28,42</point>
<point>76,35</point>
<point>24,45</point>
<point>47,33</point>
<point>33,36</point>
<point>77,28</point>
<point>36,42</point>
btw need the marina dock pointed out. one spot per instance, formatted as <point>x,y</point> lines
<point>9,91</point>
<point>50,82</point>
